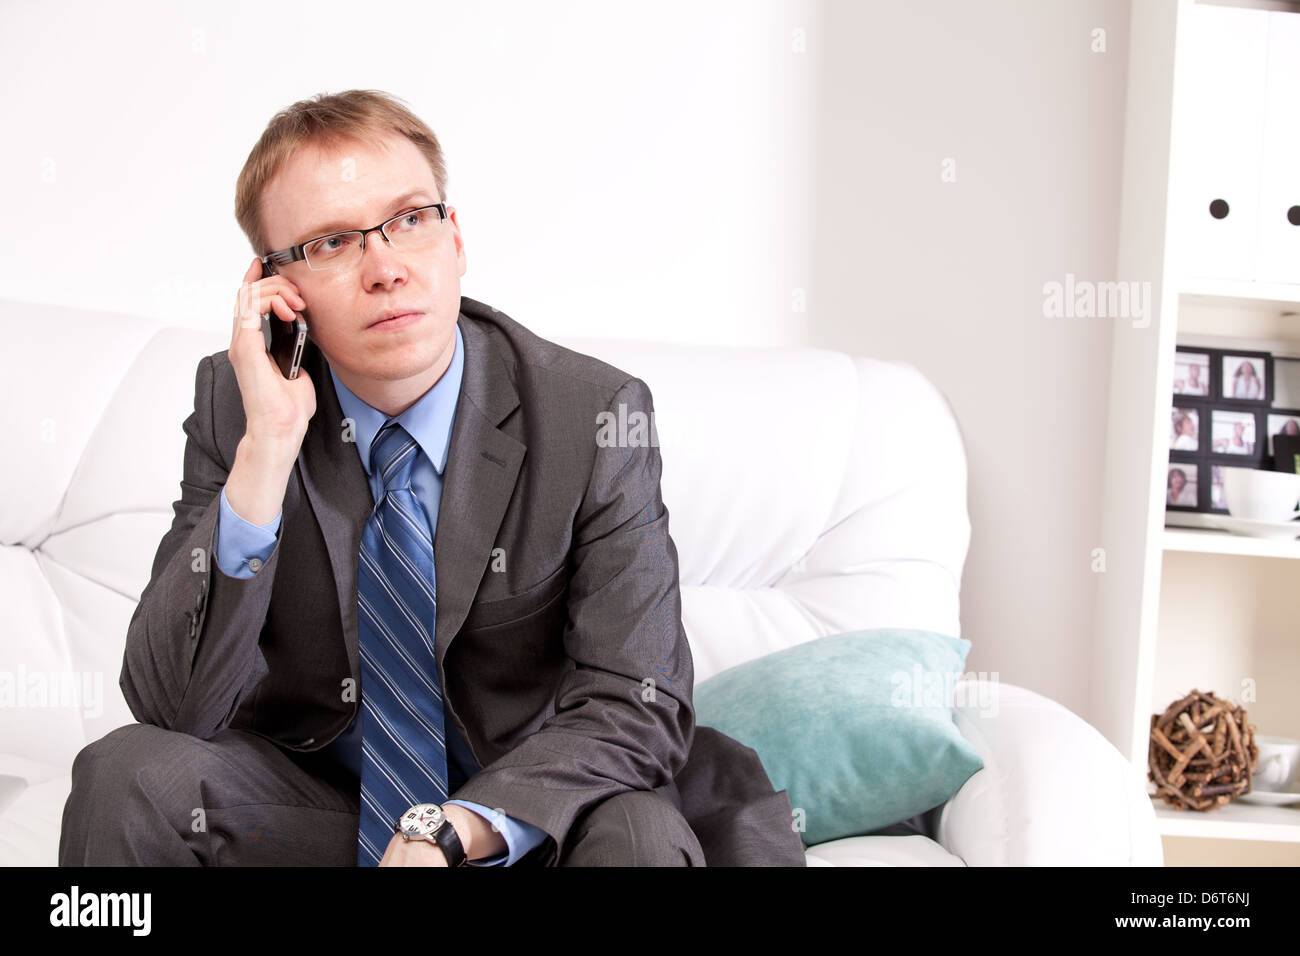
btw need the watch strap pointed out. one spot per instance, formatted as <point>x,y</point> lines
<point>449,840</point>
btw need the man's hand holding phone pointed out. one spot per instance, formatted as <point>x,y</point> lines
<point>276,409</point>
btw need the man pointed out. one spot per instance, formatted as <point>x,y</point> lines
<point>437,596</point>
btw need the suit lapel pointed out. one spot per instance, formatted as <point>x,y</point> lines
<point>482,468</point>
<point>339,493</point>
<point>478,482</point>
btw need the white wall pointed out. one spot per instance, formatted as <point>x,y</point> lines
<point>673,170</point>
<point>613,166</point>
<point>949,275</point>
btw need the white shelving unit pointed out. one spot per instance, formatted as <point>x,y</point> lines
<point>1257,295</point>
<point>1184,607</point>
<point>1235,821</point>
<point>1221,542</point>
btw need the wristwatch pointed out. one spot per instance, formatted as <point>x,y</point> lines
<point>427,821</point>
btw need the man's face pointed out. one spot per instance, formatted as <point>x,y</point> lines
<point>355,186</point>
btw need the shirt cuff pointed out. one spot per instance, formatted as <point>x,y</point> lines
<point>242,547</point>
<point>520,836</point>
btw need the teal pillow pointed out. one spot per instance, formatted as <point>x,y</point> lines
<point>857,727</point>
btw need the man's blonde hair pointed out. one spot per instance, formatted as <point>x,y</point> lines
<point>327,120</point>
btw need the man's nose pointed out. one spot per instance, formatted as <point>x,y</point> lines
<point>378,253</point>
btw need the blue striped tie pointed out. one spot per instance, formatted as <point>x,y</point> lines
<point>403,751</point>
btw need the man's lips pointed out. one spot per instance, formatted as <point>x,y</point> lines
<point>398,321</point>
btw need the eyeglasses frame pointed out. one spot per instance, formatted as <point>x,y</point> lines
<point>282,257</point>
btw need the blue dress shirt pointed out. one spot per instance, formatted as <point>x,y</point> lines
<point>429,421</point>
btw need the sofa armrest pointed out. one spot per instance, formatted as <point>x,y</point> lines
<point>1053,791</point>
<point>32,797</point>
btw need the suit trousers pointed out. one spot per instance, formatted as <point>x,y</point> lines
<point>145,796</point>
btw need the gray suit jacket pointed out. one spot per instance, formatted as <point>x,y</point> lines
<point>546,647</point>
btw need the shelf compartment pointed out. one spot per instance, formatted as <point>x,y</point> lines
<point>1218,541</point>
<point>1233,821</point>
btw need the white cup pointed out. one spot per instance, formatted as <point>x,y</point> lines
<point>1257,495</point>
<point>1278,759</point>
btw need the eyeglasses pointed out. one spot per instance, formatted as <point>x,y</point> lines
<point>339,250</point>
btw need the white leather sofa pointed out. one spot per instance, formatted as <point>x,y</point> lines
<point>831,498</point>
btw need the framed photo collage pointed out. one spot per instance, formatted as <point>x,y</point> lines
<point>1224,415</point>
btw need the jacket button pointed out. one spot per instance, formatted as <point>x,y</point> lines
<point>255,564</point>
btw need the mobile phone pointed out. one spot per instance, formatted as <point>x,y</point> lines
<point>284,340</point>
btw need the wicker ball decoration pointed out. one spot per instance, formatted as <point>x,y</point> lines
<point>1202,752</point>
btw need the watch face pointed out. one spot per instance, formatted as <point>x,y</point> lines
<point>423,819</point>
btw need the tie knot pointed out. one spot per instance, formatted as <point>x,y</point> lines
<point>393,453</point>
